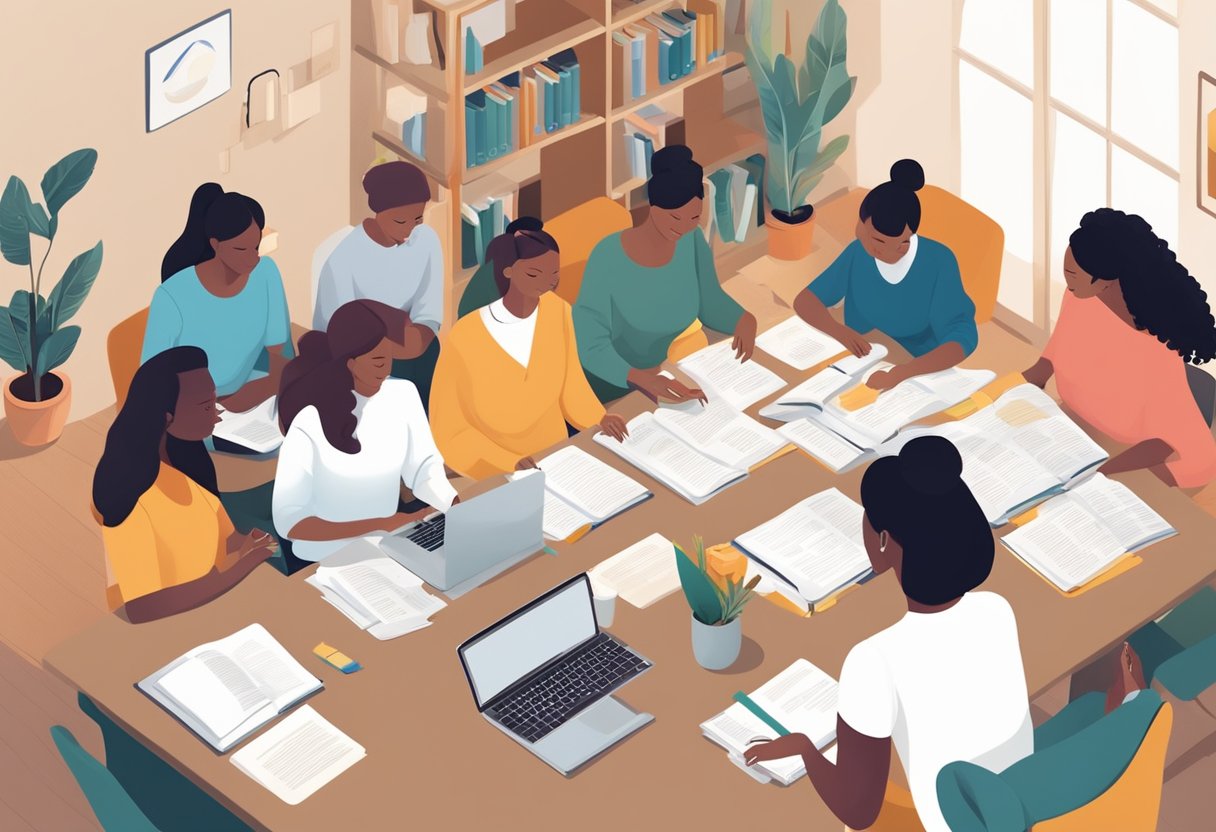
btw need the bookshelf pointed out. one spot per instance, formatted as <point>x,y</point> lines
<point>558,170</point>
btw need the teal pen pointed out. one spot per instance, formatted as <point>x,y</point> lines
<point>763,715</point>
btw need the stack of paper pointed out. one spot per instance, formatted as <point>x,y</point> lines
<point>799,344</point>
<point>1079,535</point>
<point>256,429</point>
<point>742,384</point>
<point>641,574</point>
<point>374,591</point>
<point>801,698</point>
<point>581,491</point>
<point>298,756</point>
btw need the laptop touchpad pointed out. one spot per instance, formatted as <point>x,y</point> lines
<point>591,732</point>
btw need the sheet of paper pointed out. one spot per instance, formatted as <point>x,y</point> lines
<point>799,344</point>
<point>723,433</point>
<point>562,519</point>
<point>742,384</point>
<point>817,390</point>
<point>855,365</point>
<point>256,428</point>
<point>643,573</point>
<point>955,384</point>
<point>298,756</point>
<point>1001,478</point>
<point>215,690</point>
<point>383,588</point>
<point>1066,544</point>
<point>833,451</point>
<point>685,470</point>
<point>597,489</point>
<point>1130,519</point>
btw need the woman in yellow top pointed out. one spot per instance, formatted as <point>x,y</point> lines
<point>169,542</point>
<point>509,377</point>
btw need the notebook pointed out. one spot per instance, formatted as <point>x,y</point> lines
<point>582,491</point>
<point>225,690</point>
<point>801,698</point>
<point>811,550</point>
<point>720,373</point>
<point>1078,536</point>
<point>641,574</point>
<point>256,429</point>
<point>298,756</point>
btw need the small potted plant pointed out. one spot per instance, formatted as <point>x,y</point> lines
<point>797,101</point>
<point>33,337</point>
<point>717,629</point>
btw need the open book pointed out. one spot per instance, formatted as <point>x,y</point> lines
<point>374,591</point>
<point>581,491</point>
<point>298,756</point>
<point>227,689</point>
<point>696,450</point>
<point>740,383</point>
<point>1018,451</point>
<point>256,429</point>
<point>812,395</point>
<point>810,551</point>
<point>1079,535</point>
<point>833,450</point>
<point>798,344</point>
<point>802,698</point>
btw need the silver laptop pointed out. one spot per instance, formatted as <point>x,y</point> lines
<point>545,674</point>
<point>476,539</point>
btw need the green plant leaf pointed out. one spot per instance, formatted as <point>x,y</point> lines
<point>827,46</point>
<point>71,290</point>
<point>13,349</point>
<point>57,349</point>
<point>37,220</point>
<point>66,177</point>
<point>19,310</point>
<point>15,210</point>
<point>703,595</point>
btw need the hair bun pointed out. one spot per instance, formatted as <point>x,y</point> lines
<point>670,158</point>
<point>931,465</point>
<point>524,224</point>
<point>909,174</point>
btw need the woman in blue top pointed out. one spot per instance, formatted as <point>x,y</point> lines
<point>906,287</point>
<point>219,294</point>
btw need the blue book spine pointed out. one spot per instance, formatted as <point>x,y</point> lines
<point>482,135</point>
<point>470,134</point>
<point>638,57</point>
<point>576,106</point>
<point>472,53</point>
<point>491,138</point>
<point>664,62</point>
<point>505,143</point>
<point>567,89</point>
<point>551,106</point>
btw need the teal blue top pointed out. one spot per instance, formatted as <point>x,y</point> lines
<point>232,331</point>
<point>926,309</point>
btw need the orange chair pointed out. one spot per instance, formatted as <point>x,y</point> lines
<point>123,347</point>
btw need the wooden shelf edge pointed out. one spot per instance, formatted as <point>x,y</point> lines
<point>537,52</point>
<point>400,149</point>
<point>714,67</point>
<point>406,73</point>
<point>641,10</point>
<point>581,126</point>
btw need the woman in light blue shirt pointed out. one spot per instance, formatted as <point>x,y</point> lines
<point>219,294</point>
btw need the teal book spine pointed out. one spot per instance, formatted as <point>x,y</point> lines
<point>567,88</point>
<point>482,155</point>
<point>492,122</point>
<point>472,53</point>
<point>576,90</point>
<point>470,135</point>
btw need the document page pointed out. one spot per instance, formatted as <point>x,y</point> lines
<point>280,676</point>
<point>721,432</point>
<point>817,390</point>
<point>1066,544</point>
<point>955,384</point>
<point>593,487</point>
<point>1002,478</point>
<point>832,450</point>
<point>799,344</point>
<point>383,588</point>
<point>642,573</point>
<point>214,689</point>
<point>256,428</point>
<point>742,384</point>
<point>686,471</point>
<point>561,520</point>
<point>1035,423</point>
<point>298,756</point>
<point>1133,523</point>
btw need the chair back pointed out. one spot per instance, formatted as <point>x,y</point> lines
<point>976,239</point>
<point>124,345</point>
<point>1203,388</point>
<point>114,808</point>
<point>577,232</point>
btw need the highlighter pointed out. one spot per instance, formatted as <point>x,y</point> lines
<point>331,656</point>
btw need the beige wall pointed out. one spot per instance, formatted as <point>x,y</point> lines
<point>73,76</point>
<point>1196,229</point>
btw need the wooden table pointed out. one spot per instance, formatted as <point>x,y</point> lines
<point>434,763</point>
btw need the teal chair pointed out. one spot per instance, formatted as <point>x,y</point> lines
<point>1179,651</point>
<point>114,808</point>
<point>1089,771</point>
<point>164,794</point>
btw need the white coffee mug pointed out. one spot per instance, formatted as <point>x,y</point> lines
<point>604,600</point>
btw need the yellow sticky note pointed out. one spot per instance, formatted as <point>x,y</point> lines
<point>858,397</point>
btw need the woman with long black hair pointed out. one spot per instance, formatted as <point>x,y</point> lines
<point>169,543</point>
<point>219,294</point>
<point>1132,318</point>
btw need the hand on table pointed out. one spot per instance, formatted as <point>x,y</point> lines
<point>526,463</point>
<point>885,379</point>
<point>852,340</point>
<point>658,386</point>
<point>791,745</point>
<point>744,342</point>
<point>257,545</point>
<point>614,426</point>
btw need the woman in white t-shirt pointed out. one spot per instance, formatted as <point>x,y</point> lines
<point>353,436</point>
<point>945,682</point>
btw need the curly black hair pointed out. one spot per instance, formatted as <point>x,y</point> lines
<point>1162,296</point>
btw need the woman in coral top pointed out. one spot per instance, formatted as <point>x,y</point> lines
<point>1131,319</point>
<point>509,377</point>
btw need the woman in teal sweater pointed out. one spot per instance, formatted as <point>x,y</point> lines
<point>644,286</point>
<point>906,287</point>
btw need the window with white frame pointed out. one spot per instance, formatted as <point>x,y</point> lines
<point>1069,105</point>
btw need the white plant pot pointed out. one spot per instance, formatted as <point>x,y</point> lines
<point>716,646</point>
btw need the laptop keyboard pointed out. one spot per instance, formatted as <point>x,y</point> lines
<point>569,687</point>
<point>429,533</point>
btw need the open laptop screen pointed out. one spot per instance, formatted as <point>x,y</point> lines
<point>500,656</point>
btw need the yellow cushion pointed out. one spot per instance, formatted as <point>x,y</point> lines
<point>123,347</point>
<point>577,231</point>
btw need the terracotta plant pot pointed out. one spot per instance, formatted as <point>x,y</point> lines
<point>38,423</point>
<point>790,235</point>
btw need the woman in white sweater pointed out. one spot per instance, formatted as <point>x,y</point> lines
<point>353,436</point>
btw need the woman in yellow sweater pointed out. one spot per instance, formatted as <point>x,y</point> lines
<point>509,377</point>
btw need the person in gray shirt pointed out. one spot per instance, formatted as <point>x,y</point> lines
<point>393,258</point>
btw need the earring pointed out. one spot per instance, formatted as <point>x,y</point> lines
<point>882,545</point>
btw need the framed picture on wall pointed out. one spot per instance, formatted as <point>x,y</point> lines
<point>1205,171</point>
<point>188,70</point>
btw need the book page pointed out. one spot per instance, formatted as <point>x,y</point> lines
<point>722,433</point>
<point>214,690</point>
<point>742,384</point>
<point>256,428</point>
<point>833,451</point>
<point>593,487</point>
<point>642,573</point>
<point>856,365</point>
<point>799,344</point>
<point>1066,544</point>
<point>1001,478</point>
<point>298,756</point>
<point>817,390</point>
<point>894,408</point>
<point>280,676</point>
<point>383,588</point>
<point>1131,520</point>
<point>561,520</point>
<point>682,468</point>
<point>803,699</point>
<point>953,385</point>
<point>1036,424</point>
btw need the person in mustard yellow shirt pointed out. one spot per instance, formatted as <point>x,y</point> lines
<point>509,377</point>
<point>169,543</point>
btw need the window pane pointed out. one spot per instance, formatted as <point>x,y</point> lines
<point>1078,183</point>
<point>1141,189</point>
<point>1144,81</point>
<point>1078,56</point>
<point>1167,6</point>
<point>1001,33</point>
<point>997,164</point>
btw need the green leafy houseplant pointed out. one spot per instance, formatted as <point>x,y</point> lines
<point>797,102</point>
<point>33,337</point>
<point>710,603</point>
